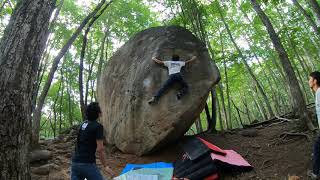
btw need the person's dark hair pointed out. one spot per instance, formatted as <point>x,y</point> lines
<point>175,57</point>
<point>316,75</point>
<point>93,110</point>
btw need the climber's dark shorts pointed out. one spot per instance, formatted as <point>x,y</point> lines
<point>173,78</point>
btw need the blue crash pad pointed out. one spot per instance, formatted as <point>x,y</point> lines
<point>130,167</point>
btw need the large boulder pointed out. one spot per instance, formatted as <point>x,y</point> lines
<point>131,78</point>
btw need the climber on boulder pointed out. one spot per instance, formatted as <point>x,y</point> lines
<point>174,66</point>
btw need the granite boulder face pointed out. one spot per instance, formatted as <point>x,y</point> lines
<point>131,78</point>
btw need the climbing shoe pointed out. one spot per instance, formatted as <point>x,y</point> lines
<point>311,175</point>
<point>153,100</point>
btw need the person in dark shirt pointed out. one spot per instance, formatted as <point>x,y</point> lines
<point>89,141</point>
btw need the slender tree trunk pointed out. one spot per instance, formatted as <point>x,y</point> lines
<point>265,42</point>
<point>21,47</point>
<point>208,114</point>
<point>70,104</point>
<point>93,94</point>
<point>61,100</point>
<point>315,7</point>
<point>198,125</point>
<point>282,81</point>
<point>299,101</point>
<point>308,17</point>
<point>238,112</point>
<point>247,111</point>
<point>257,99</point>
<point>223,106</point>
<point>273,91</point>
<point>56,61</point>
<point>83,50</point>
<point>309,59</point>
<point>219,116</point>
<point>271,114</point>
<point>101,59</point>
<point>212,124</point>
<point>226,78</point>
<point>227,91</point>
<point>54,126</point>
<point>259,109</point>
<point>90,78</point>
<point>219,87</point>
<point>292,44</point>
<point>299,58</point>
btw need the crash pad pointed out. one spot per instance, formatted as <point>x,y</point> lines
<point>130,167</point>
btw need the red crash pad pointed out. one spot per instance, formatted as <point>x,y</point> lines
<point>214,148</point>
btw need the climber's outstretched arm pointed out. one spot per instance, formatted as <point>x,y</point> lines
<point>157,60</point>
<point>191,60</point>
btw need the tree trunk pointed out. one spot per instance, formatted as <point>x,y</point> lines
<point>245,104</point>
<point>226,78</point>
<point>198,125</point>
<point>271,114</point>
<point>83,51</point>
<point>21,47</point>
<point>90,71</point>
<point>219,87</point>
<point>238,112</point>
<point>54,126</point>
<point>292,45</point>
<point>212,124</point>
<point>308,16</point>
<point>208,114</point>
<point>45,56</point>
<point>265,74</point>
<point>70,103</point>
<point>315,7</point>
<point>279,82</point>
<point>61,100</point>
<point>219,116</point>
<point>257,100</point>
<point>258,108</point>
<point>282,81</point>
<point>298,100</point>
<point>310,59</point>
<point>101,59</point>
<point>56,61</point>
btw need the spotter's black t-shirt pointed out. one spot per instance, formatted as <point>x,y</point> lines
<point>85,150</point>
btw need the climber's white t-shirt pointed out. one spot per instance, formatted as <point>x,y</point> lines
<point>174,66</point>
<point>318,105</point>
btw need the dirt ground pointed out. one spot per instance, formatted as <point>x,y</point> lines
<point>271,150</point>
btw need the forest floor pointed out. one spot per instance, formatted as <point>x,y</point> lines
<point>271,150</point>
